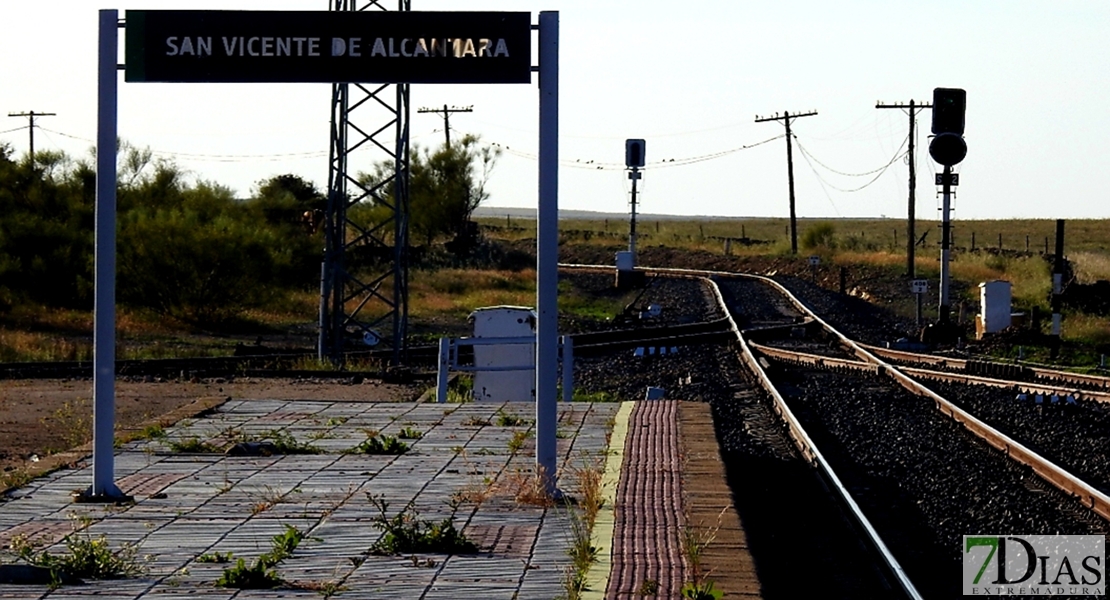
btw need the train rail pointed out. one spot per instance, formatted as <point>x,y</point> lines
<point>993,370</point>
<point>848,359</point>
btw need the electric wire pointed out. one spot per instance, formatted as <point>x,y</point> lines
<point>878,172</point>
<point>214,157</point>
<point>16,129</point>
<point>594,165</point>
<point>610,137</point>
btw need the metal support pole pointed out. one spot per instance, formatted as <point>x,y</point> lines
<point>104,304</point>
<point>945,243</point>
<point>1058,266</point>
<point>634,176</point>
<point>444,369</point>
<point>547,251</point>
<point>567,343</point>
<point>632,226</point>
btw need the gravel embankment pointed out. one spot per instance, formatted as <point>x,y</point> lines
<point>923,480</point>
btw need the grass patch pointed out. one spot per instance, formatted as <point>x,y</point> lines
<point>505,419</point>
<point>215,557</point>
<point>73,420</point>
<point>584,396</point>
<point>260,573</point>
<point>582,513</point>
<point>516,443</point>
<point>694,541</point>
<point>15,478</point>
<point>456,292</point>
<point>408,433</point>
<point>376,443</point>
<point>406,533</point>
<point>285,443</point>
<point>85,557</point>
<point>194,445</point>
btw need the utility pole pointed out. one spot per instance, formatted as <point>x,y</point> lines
<point>910,237</point>
<point>785,118</point>
<point>31,127</point>
<point>446,113</point>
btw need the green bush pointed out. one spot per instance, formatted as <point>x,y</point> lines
<point>819,235</point>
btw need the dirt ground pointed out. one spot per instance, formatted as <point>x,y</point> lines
<point>39,418</point>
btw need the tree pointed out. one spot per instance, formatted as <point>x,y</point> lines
<point>294,209</point>
<point>445,186</point>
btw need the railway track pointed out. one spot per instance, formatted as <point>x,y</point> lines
<point>921,470</point>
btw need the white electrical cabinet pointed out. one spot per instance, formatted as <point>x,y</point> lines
<point>515,385</point>
<point>994,304</point>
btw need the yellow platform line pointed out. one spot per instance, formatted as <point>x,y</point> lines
<point>597,578</point>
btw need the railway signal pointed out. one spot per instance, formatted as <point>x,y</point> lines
<point>948,147</point>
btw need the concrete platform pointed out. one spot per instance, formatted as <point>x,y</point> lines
<point>662,477</point>
<point>188,505</point>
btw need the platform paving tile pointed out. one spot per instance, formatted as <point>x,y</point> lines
<point>176,592</point>
<point>22,592</point>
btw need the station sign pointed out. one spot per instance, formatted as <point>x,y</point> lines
<point>328,46</point>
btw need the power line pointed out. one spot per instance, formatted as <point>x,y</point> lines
<point>20,128</point>
<point>785,118</point>
<point>31,125</point>
<point>879,172</point>
<point>212,157</point>
<point>594,165</point>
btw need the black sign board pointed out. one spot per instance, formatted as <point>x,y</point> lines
<point>953,179</point>
<point>328,46</point>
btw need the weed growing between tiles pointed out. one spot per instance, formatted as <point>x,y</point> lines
<point>85,557</point>
<point>234,441</point>
<point>261,572</point>
<point>694,542</point>
<point>406,532</point>
<point>581,511</point>
<point>377,443</point>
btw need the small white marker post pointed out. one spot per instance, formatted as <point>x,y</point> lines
<point>919,287</point>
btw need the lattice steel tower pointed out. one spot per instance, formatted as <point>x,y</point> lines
<point>369,124</point>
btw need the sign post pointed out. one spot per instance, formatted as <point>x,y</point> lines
<point>104,303</point>
<point>324,47</point>
<point>547,254</point>
<point>919,287</point>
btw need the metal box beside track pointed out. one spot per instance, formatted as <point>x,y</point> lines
<point>515,377</point>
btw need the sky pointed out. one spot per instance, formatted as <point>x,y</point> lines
<point>688,77</point>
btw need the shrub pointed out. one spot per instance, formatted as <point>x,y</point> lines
<point>819,235</point>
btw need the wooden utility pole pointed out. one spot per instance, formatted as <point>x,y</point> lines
<point>911,238</point>
<point>785,118</point>
<point>31,127</point>
<point>446,114</point>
